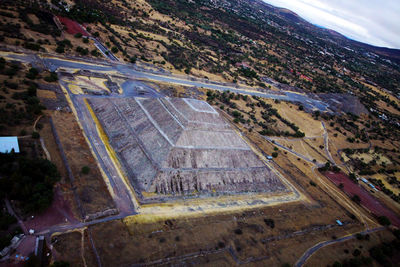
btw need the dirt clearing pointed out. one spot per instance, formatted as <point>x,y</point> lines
<point>91,188</point>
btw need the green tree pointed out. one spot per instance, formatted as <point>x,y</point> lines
<point>114,50</point>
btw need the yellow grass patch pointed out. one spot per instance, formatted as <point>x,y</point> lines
<point>33,18</point>
<point>368,157</point>
<point>383,177</point>
<point>303,120</point>
<point>46,94</point>
<point>75,89</point>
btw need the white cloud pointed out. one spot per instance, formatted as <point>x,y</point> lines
<point>374,22</point>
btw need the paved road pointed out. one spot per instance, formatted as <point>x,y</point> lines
<point>68,227</point>
<point>318,246</point>
<point>53,62</point>
<point>326,143</point>
<point>273,140</point>
<point>104,50</point>
<point>122,197</point>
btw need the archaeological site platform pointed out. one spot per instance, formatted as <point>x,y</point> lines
<point>180,148</point>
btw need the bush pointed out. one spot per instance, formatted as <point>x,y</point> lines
<point>238,231</point>
<point>356,253</point>
<point>51,78</point>
<point>82,51</point>
<point>312,183</point>
<point>60,49</point>
<point>35,135</point>
<point>269,222</point>
<point>78,35</point>
<point>32,73</point>
<point>94,53</point>
<point>60,264</point>
<point>275,154</point>
<point>85,170</point>
<point>383,220</point>
<point>356,199</point>
<point>114,50</point>
<point>32,46</point>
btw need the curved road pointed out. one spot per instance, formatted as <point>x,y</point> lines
<point>318,246</point>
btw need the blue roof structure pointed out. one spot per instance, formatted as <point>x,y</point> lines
<point>8,143</point>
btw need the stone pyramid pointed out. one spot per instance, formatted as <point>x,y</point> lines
<point>177,146</point>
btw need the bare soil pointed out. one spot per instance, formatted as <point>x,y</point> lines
<point>91,188</point>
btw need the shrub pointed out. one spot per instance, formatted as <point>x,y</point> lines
<point>383,220</point>
<point>356,199</point>
<point>60,264</point>
<point>60,49</point>
<point>238,231</point>
<point>78,35</point>
<point>51,78</point>
<point>269,222</point>
<point>356,253</point>
<point>35,135</point>
<point>275,154</point>
<point>114,50</point>
<point>85,170</point>
<point>32,73</point>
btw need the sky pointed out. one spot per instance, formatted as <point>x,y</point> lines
<point>375,22</point>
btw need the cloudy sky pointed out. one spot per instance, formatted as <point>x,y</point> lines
<point>375,22</point>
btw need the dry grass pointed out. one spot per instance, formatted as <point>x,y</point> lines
<point>46,94</point>
<point>144,239</point>
<point>68,248</point>
<point>91,188</point>
<point>328,255</point>
<point>303,120</point>
<point>368,157</point>
<point>47,134</point>
<point>383,178</point>
<point>74,248</point>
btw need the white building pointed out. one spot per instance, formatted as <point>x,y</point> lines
<point>9,143</point>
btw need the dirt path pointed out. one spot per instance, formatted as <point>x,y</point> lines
<point>12,212</point>
<point>306,255</point>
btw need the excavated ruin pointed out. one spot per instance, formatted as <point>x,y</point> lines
<point>174,147</point>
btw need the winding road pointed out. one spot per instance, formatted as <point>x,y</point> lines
<point>320,245</point>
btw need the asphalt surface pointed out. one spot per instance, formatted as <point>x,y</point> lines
<point>326,143</point>
<point>104,50</point>
<point>121,195</point>
<point>135,72</point>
